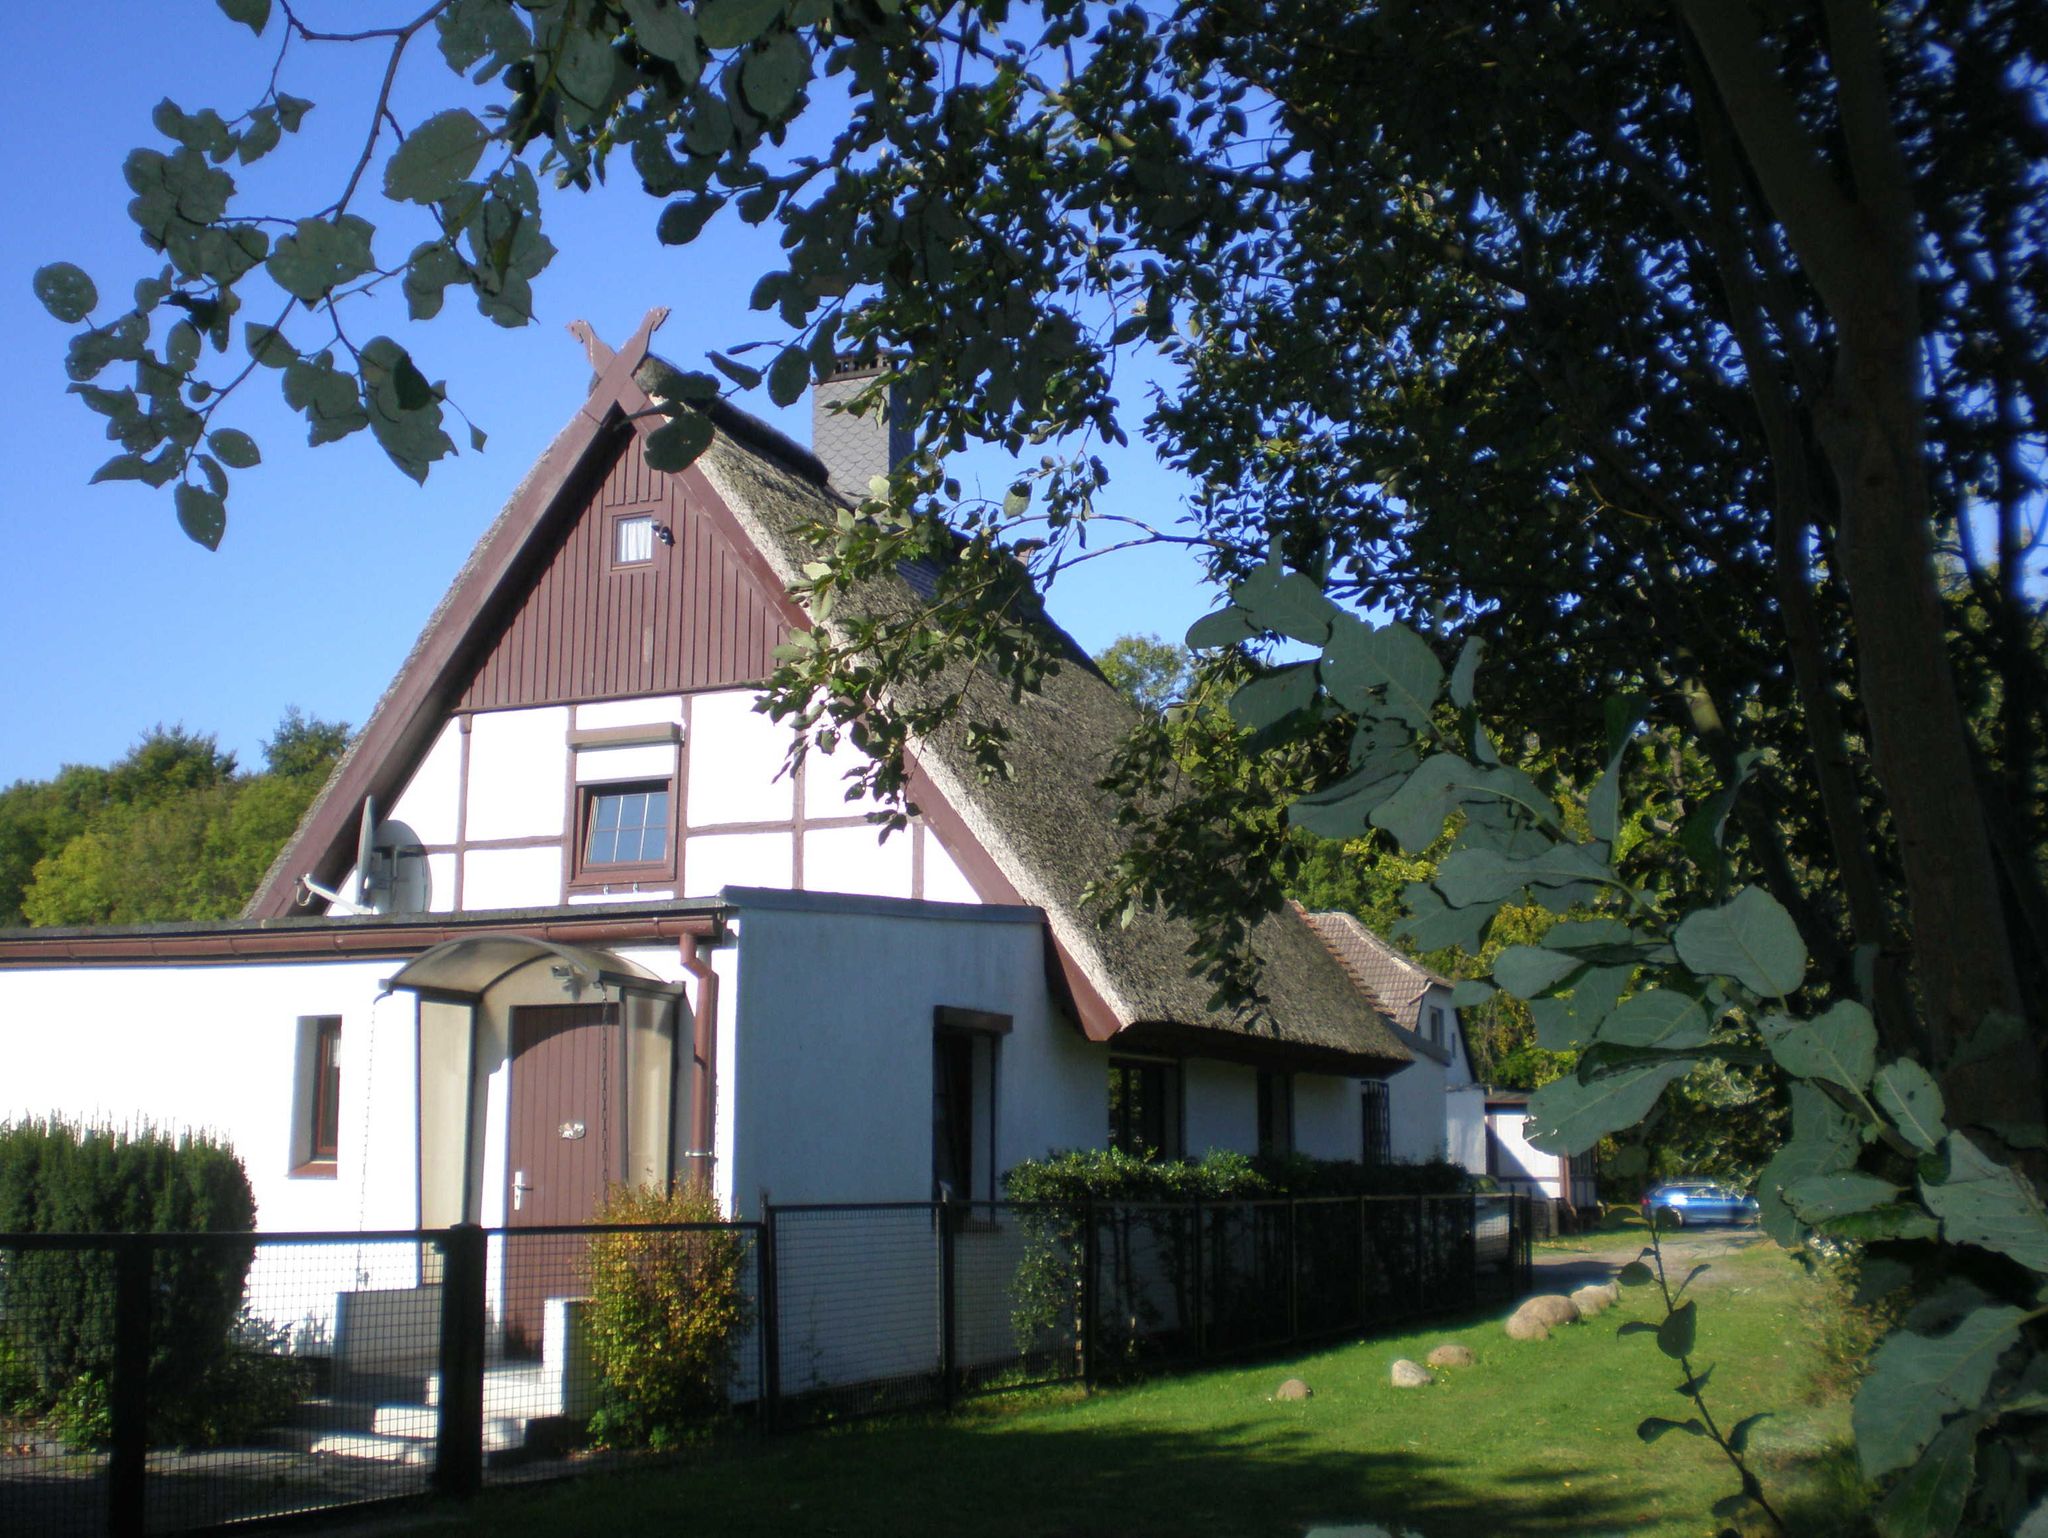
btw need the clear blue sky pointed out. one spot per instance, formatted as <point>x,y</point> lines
<point>111,619</point>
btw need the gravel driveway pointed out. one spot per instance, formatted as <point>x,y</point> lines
<point>1564,1265</point>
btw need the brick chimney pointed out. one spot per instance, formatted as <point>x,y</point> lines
<point>855,449</point>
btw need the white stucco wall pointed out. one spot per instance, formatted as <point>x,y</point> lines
<point>1328,1116</point>
<point>1220,1103</point>
<point>1465,1128</point>
<point>518,775</point>
<point>1416,1110</point>
<point>832,1083</point>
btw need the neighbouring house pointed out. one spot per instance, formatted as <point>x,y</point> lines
<point>1434,1108</point>
<point>1518,1166</point>
<point>561,917</point>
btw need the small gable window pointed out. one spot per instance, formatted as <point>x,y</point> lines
<point>633,540</point>
<point>625,825</point>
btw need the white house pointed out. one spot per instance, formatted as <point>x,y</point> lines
<point>560,917</point>
<point>1434,1108</point>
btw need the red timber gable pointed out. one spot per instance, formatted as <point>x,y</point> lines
<point>693,616</point>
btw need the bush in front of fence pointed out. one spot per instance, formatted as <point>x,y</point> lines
<point>668,1311</point>
<point>57,1307</point>
<point>1266,1273</point>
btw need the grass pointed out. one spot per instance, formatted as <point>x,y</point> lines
<point>1537,1439</point>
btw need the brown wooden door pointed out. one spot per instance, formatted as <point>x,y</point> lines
<point>566,1144</point>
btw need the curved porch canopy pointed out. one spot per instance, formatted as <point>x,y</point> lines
<point>469,991</point>
<point>470,966</point>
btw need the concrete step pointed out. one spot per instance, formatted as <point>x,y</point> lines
<point>368,1447</point>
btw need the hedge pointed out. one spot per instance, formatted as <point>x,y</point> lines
<point>57,1307</point>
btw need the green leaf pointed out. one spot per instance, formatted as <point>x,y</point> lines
<point>1432,924</point>
<point>1568,1117</point>
<point>1344,810</point>
<point>235,448</point>
<point>320,255</point>
<point>404,411</point>
<point>675,445</point>
<point>200,515</point>
<point>739,373</point>
<point>1680,1328</point>
<point>1929,1501</point>
<point>253,14</point>
<point>1840,1047</point>
<point>291,111</point>
<point>1269,700</point>
<point>1916,1382</point>
<point>1526,970</point>
<point>1415,814</point>
<point>481,31</point>
<point>331,400</point>
<point>1635,1274</point>
<point>1817,1198</point>
<point>1738,1438</point>
<point>267,345</point>
<point>1287,603</point>
<point>1391,662</point>
<point>729,23</point>
<point>1226,627</point>
<point>1907,1093</point>
<point>66,292</point>
<point>1824,1140</point>
<point>1656,1425</point>
<point>122,467</point>
<point>1480,875</point>
<point>667,31</point>
<point>789,376</point>
<point>436,158</point>
<point>1466,671</point>
<point>1657,1017</point>
<point>1470,993</point>
<point>1751,939</point>
<point>1986,1204</point>
<point>1636,1327</point>
<point>774,73</point>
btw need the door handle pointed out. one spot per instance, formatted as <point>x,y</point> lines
<point>519,1189</point>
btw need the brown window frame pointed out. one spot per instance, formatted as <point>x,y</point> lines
<point>653,541</point>
<point>316,1138</point>
<point>1159,1100</point>
<point>586,874</point>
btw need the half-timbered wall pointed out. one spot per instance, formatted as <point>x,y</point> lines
<point>491,818</point>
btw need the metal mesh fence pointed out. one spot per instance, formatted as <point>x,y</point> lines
<point>160,1383</point>
<point>625,1336</point>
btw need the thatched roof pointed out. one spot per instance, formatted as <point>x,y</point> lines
<point>1052,830</point>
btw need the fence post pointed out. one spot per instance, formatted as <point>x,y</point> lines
<point>459,1447</point>
<point>771,1327</point>
<point>1364,1267</point>
<point>1421,1254</point>
<point>1196,1292</point>
<point>1089,1259</point>
<point>129,1392</point>
<point>949,1361</point>
<point>1293,1273</point>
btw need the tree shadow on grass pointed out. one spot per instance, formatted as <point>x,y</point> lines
<point>1009,1480</point>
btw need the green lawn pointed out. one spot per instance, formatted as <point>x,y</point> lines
<point>1538,1438</point>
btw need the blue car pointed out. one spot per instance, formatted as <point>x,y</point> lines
<point>1683,1203</point>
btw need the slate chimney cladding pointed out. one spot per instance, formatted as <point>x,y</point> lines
<point>855,449</point>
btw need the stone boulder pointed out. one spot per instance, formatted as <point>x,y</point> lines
<point>1405,1374</point>
<point>1596,1300</point>
<point>1550,1309</point>
<point>1527,1327</point>
<point>1294,1388</point>
<point>1452,1355</point>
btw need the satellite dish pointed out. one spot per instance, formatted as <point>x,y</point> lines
<point>366,851</point>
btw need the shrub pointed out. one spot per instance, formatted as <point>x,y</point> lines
<point>1145,1281</point>
<point>667,1313</point>
<point>60,1305</point>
